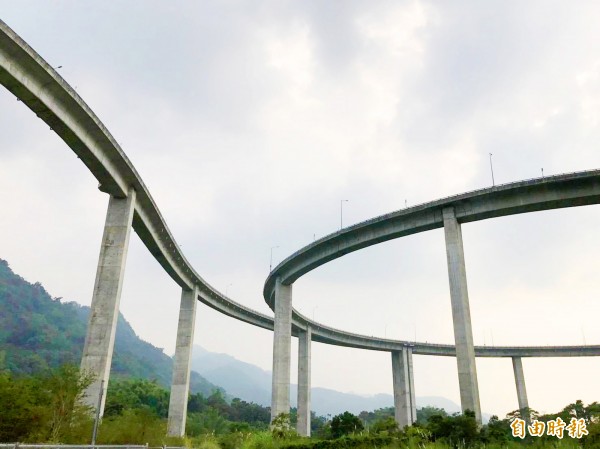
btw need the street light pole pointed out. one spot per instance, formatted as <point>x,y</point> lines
<point>341,212</point>
<point>271,262</point>
<point>97,417</point>
<point>227,288</point>
<point>492,169</point>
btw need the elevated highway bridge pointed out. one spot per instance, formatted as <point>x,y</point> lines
<point>35,83</point>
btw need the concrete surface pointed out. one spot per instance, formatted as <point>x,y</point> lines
<point>461,315</point>
<point>520,384</point>
<point>282,347</point>
<point>180,384</point>
<point>304,343</point>
<point>104,310</point>
<point>404,398</point>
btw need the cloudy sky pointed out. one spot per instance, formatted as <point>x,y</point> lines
<point>249,121</point>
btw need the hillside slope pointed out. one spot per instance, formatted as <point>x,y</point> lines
<point>38,332</point>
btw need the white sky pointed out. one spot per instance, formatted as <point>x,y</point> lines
<point>250,121</point>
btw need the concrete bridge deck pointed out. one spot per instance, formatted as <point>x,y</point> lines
<point>553,192</point>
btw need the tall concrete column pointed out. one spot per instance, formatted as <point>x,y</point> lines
<point>304,343</point>
<point>461,315</point>
<point>104,311</point>
<point>180,385</point>
<point>404,406</point>
<point>411,384</point>
<point>282,342</point>
<point>520,383</point>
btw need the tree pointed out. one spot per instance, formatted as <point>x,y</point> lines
<point>139,426</point>
<point>209,421</point>
<point>45,407</point>
<point>497,430</point>
<point>249,412</point>
<point>196,403</point>
<point>369,418</point>
<point>578,410</point>
<point>131,394</point>
<point>281,427</point>
<point>65,389</point>
<point>345,424</point>
<point>16,408</point>
<point>457,430</point>
<point>316,423</point>
<point>385,425</point>
<point>526,414</point>
<point>424,413</point>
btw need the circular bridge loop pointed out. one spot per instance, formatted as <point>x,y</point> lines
<point>566,190</point>
<point>33,81</point>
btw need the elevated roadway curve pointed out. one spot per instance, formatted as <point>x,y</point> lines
<point>34,82</point>
<point>554,192</point>
<point>567,190</point>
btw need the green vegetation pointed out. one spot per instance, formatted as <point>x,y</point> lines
<point>423,415</point>
<point>39,333</point>
<point>46,407</point>
<point>40,397</point>
<point>43,407</point>
<point>345,424</point>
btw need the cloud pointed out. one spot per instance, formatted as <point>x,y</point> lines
<point>249,122</point>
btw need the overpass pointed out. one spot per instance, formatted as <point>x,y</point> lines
<point>34,82</point>
<point>568,190</point>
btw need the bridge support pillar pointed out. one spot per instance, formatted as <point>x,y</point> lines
<point>461,315</point>
<point>413,403</point>
<point>405,410</point>
<point>304,344</point>
<point>282,341</point>
<point>180,384</point>
<point>521,391</point>
<point>104,311</point>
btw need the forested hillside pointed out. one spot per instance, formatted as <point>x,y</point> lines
<point>38,332</point>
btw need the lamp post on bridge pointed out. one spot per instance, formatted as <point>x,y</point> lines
<point>271,262</point>
<point>341,212</point>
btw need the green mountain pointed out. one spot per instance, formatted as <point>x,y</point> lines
<point>38,332</point>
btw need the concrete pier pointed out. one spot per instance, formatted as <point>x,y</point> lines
<point>404,397</point>
<point>180,385</point>
<point>104,313</point>
<point>304,343</point>
<point>520,383</point>
<point>411,384</point>
<point>461,315</point>
<point>282,341</point>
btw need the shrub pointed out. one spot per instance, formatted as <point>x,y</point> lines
<point>386,425</point>
<point>139,426</point>
<point>260,440</point>
<point>345,424</point>
<point>281,427</point>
